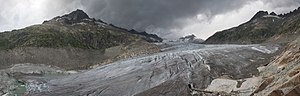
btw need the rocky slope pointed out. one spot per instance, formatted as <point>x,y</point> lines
<point>282,76</point>
<point>72,41</point>
<point>261,28</point>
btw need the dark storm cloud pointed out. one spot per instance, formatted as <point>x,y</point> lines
<point>140,14</point>
<point>282,6</point>
<point>15,14</point>
<point>163,17</point>
<point>282,3</point>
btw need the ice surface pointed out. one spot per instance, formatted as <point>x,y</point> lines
<point>175,68</point>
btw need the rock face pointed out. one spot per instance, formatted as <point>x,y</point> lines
<point>252,32</point>
<point>282,76</point>
<point>72,18</point>
<point>6,83</point>
<point>260,14</point>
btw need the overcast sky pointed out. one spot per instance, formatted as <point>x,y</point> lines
<point>168,18</point>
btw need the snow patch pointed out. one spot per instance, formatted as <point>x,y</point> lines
<point>261,68</point>
<point>71,72</point>
<point>88,19</point>
<point>248,86</point>
<point>207,66</point>
<point>252,60</point>
<point>36,86</point>
<point>272,16</point>
<point>263,49</point>
<point>222,85</point>
<point>100,24</point>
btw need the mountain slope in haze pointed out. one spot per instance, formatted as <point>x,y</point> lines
<point>261,28</point>
<point>70,41</point>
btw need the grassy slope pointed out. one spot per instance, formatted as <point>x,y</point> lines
<point>58,36</point>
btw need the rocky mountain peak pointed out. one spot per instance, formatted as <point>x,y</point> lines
<point>291,13</point>
<point>77,15</point>
<point>260,14</point>
<point>273,13</point>
<point>188,37</point>
<point>191,39</point>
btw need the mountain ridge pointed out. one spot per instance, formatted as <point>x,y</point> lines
<point>262,27</point>
<point>79,16</point>
<point>68,36</point>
